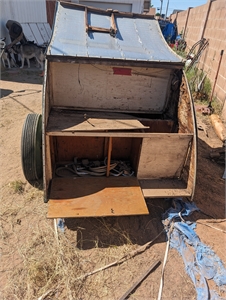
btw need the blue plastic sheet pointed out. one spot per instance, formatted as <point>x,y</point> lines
<point>169,32</point>
<point>60,225</point>
<point>201,262</point>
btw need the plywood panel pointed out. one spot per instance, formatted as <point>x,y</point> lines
<point>164,126</point>
<point>96,87</point>
<point>81,147</point>
<point>121,148</point>
<point>63,121</point>
<point>96,148</point>
<point>163,156</point>
<point>86,197</point>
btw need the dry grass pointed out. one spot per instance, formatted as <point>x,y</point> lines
<point>17,186</point>
<point>37,263</point>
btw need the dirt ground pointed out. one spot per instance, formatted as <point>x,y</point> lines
<point>36,264</point>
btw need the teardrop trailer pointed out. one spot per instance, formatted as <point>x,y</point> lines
<point>117,124</point>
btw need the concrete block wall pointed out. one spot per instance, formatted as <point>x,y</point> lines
<point>208,21</point>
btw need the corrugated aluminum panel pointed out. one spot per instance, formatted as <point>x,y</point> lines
<point>40,33</point>
<point>137,38</point>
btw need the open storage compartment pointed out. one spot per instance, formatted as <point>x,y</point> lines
<point>99,158</point>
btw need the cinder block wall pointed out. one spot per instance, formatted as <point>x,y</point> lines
<point>208,21</point>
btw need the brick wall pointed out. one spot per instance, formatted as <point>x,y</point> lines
<point>208,21</point>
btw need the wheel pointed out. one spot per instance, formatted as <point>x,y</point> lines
<point>31,149</point>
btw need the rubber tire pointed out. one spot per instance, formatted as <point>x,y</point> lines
<point>31,150</point>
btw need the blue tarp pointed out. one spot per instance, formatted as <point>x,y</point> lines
<point>201,263</point>
<point>169,32</point>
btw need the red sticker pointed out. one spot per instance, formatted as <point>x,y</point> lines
<point>121,71</point>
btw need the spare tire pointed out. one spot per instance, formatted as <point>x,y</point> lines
<point>31,150</point>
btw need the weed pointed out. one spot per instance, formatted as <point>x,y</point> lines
<point>179,52</point>
<point>17,186</point>
<point>207,86</point>
<point>191,77</point>
<point>217,106</point>
<point>199,83</point>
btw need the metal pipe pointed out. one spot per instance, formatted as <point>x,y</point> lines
<point>161,8</point>
<point>215,81</point>
<point>153,266</point>
<point>167,8</point>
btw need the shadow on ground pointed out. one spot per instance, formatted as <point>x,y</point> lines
<point>25,75</point>
<point>5,92</point>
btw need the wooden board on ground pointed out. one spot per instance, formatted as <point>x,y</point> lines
<point>96,197</point>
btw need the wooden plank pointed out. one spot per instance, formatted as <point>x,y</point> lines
<point>100,29</point>
<point>86,20</point>
<point>95,197</point>
<point>163,156</point>
<point>113,24</point>
<point>187,105</point>
<point>35,30</point>
<point>160,188</point>
<point>62,121</point>
<point>168,193</point>
<point>109,156</point>
<point>113,134</point>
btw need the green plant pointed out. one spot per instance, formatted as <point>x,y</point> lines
<point>207,87</point>
<point>191,77</point>
<point>217,106</point>
<point>181,53</point>
<point>199,82</point>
